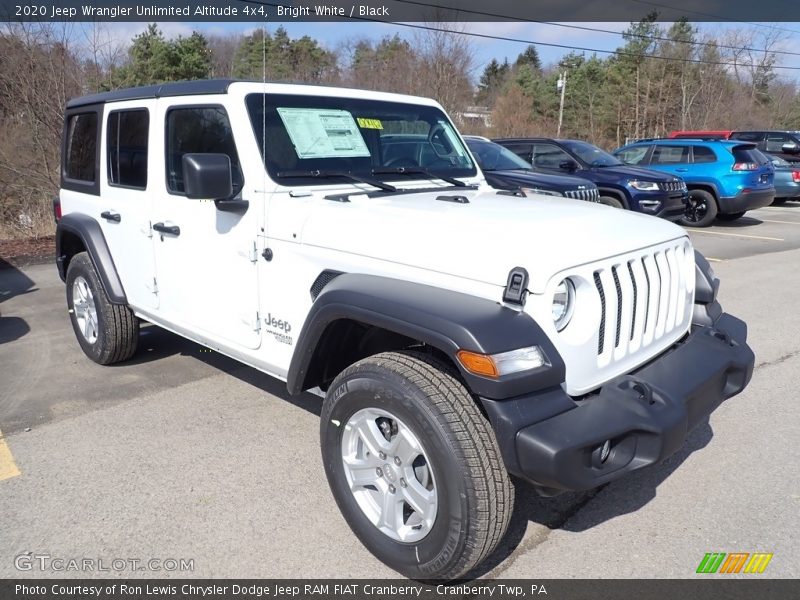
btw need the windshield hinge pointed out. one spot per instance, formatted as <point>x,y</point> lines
<point>516,286</point>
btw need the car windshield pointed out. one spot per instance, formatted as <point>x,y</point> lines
<point>494,157</point>
<point>313,140</point>
<point>592,155</point>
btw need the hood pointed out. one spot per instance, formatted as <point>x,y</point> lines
<point>482,240</point>
<point>522,178</point>
<point>612,174</point>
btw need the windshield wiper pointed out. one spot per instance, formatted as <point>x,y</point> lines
<point>331,174</point>
<point>417,171</point>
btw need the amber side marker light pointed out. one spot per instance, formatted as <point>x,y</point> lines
<point>504,363</point>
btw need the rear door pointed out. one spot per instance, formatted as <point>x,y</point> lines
<point>126,198</point>
<point>206,258</point>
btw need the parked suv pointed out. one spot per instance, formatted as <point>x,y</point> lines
<point>621,186</point>
<point>725,178</point>
<point>505,170</point>
<point>458,334</point>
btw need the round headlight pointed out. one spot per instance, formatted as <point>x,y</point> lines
<point>563,303</point>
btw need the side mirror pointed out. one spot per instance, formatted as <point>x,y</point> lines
<point>210,177</point>
<point>790,148</point>
<point>568,165</point>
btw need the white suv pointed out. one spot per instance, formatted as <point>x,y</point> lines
<point>346,242</point>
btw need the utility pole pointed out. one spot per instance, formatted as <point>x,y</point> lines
<point>561,85</point>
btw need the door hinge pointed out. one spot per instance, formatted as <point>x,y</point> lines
<point>254,253</point>
<point>153,286</point>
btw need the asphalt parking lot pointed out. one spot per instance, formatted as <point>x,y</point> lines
<point>184,454</point>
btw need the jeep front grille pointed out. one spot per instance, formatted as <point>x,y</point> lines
<point>642,300</point>
<point>592,195</point>
<point>673,186</point>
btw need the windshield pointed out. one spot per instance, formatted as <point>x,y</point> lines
<point>311,140</point>
<point>591,155</point>
<point>494,157</point>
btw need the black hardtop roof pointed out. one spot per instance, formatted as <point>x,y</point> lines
<point>161,90</point>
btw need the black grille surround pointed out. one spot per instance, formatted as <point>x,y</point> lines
<point>599,284</point>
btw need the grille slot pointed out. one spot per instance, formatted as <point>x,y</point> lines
<point>601,338</point>
<point>619,306</point>
<point>635,301</point>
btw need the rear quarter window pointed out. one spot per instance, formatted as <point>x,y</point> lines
<point>704,154</point>
<point>81,147</point>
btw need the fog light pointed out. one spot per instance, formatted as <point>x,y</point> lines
<point>605,451</point>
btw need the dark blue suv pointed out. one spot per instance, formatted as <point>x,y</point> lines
<point>726,178</point>
<point>620,185</point>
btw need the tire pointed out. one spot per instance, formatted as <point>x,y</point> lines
<point>611,201</point>
<point>701,210</point>
<point>107,333</point>
<point>457,466</point>
<point>731,216</point>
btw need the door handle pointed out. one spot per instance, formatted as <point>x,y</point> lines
<point>168,229</point>
<point>110,215</point>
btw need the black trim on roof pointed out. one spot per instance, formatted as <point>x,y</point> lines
<point>178,88</point>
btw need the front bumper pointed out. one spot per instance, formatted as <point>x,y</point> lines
<point>667,205</point>
<point>745,201</point>
<point>555,442</point>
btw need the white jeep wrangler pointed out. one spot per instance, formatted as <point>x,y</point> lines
<point>346,242</point>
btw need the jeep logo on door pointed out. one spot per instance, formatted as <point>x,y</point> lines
<point>283,328</point>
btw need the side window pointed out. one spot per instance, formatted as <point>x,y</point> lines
<point>633,156</point>
<point>127,133</point>
<point>548,156</point>
<point>775,141</point>
<point>81,147</point>
<point>704,154</point>
<point>198,130</point>
<point>747,136</point>
<point>521,150</point>
<point>670,155</point>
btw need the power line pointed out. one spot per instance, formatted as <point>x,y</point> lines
<point>715,17</point>
<point>595,29</point>
<point>547,44</point>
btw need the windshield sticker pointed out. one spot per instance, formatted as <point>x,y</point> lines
<point>323,133</point>
<point>369,123</point>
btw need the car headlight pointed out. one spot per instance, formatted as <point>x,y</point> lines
<point>644,186</point>
<point>504,363</point>
<point>563,303</point>
<point>527,190</point>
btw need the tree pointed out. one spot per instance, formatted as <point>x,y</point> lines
<point>279,58</point>
<point>492,81</point>
<point>529,59</point>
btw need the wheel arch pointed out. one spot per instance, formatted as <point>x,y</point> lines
<point>77,232</point>
<point>359,315</point>
<point>615,193</point>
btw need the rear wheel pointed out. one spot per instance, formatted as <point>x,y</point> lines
<point>611,201</point>
<point>414,466</point>
<point>731,216</point>
<point>107,333</point>
<point>701,210</point>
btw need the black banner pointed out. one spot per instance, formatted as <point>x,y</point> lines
<point>714,588</point>
<point>430,11</point>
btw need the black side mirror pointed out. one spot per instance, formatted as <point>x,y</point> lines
<point>210,177</point>
<point>568,165</point>
<point>790,148</point>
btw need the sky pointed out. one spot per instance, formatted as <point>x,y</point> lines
<point>332,35</point>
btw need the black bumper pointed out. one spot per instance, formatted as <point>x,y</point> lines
<point>555,442</point>
<point>746,201</point>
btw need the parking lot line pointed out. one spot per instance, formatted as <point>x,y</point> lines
<point>8,468</point>
<point>785,222</point>
<point>741,235</point>
<point>713,259</point>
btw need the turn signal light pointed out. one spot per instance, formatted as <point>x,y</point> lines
<point>478,364</point>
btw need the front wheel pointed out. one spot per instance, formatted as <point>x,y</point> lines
<point>701,210</point>
<point>414,466</point>
<point>611,201</point>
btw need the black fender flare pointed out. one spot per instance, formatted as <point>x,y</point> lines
<point>447,320</point>
<point>90,233</point>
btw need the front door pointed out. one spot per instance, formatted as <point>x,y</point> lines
<point>206,260</point>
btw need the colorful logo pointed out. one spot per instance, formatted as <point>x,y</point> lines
<point>735,562</point>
